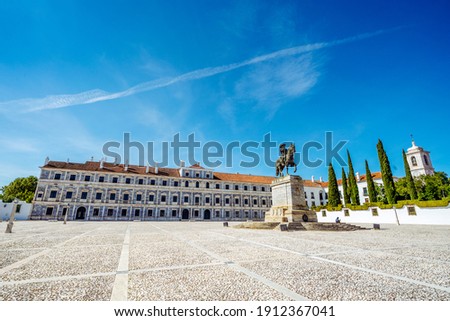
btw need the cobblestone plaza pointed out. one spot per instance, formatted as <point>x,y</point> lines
<point>206,261</point>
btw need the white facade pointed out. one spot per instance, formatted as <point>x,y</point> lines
<point>23,210</point>
<point>419,161</point>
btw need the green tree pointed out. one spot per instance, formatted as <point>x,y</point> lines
<point>345,188</point>
<point>22,188</point>
<point>333,191</point>
<point>401,186</point>
<point>386,174</point>
<point>409,179</point>
<point>370,185</point>
<point>352,182</point>
<point>432,187</point>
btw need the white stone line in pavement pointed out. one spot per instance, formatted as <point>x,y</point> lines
<point>32,257</point>
<point>120,288</point>
<point>275,286</point>
<point>175,267</point>
<point>55,278</point>
<point>430,285</point>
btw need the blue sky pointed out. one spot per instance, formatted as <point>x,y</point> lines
<point>77,74</point>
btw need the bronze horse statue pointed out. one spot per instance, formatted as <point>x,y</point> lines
<point>285,160</point>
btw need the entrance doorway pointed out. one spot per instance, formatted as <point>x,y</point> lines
<point>207,215</point>
<point>185,214</point>
<point>81,213</point>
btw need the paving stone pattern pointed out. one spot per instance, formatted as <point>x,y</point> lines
<point>184,261</point>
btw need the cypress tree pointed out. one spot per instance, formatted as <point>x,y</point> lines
<point>352,182</point>
<point>345,188</point>
<point>333,191</point>
<point>409,179</point>
<point>386,174</point>
<point>370,184</point>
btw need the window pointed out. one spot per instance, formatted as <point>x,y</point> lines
<point>217,186</point>
<point>152,182</point>
<point>197,175</point>
<point>151,198</point>
<point>139,197</point>
<point>227,213</point>
<point>69,194</point>
<point>126,197</point>
<point>53,194</point>
<point>320,195</point>
<point>101,179</point>
<point>174,198</point>
<point>49,211</point>
<point>197,200</point>
<point>140,181</point>
<point>227,186</point>
<point>246,201</point>
<point>175,183</point>
<point>187,174</point>
<point>255,201</point>
<point>163,198</point>
<point>162,213</point>
<point>264,202</point>
<point>87,178</point>
<point>197,184</point>
<point>413,161</point>
<point>207,175</point>
<point>174,213</point>
<point>128,181</point>
<point>236,213</point>
<point>98,196</point>
<point>57,176</point>
<point>263,189</point>
<point>149,212</point>
<point>186,184</point>
<point>236,201</point>
<point>95,212</point>
<point>312,195</point>
<point>207,185</point>
<point>115,179</point>
<point>72,177</point>
<point>254,188</point>
<point>217,213</point>
<point>425,159</point>
<point>227,201</point>
<point>83,195</point>
<point>164,183</point>
<point>110,212</point>
<point>124,212</point>
<point>112,196</point>
<point>365,191</point>
<point>196,212</point>
<point>306,195</point>
<point>137,212</point>
<point>236,187</point>
<point>186,199</point>
<point>245,188</point>
<point>217,200</point>
<point>207,200</point>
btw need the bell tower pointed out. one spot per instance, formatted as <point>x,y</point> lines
<point>419,160</point>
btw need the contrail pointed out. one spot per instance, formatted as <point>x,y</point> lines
<point>96,95</point>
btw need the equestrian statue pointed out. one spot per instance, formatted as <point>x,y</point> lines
<point>285,160</point>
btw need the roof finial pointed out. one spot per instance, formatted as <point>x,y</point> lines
<point>412,140</point>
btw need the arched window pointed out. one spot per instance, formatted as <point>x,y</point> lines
<point>425,159</point>
<point>186,184</point>
<point>207,185</point>
<point>413,161</point>
<point>197,184</point>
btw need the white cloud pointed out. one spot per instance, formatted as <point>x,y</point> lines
<point>96,95</point>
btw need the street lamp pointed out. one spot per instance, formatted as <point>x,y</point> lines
<point>11,218</point>
<point>67,212</point>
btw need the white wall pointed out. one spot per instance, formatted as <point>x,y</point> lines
<point>6,209</point>
<point>431,216</point>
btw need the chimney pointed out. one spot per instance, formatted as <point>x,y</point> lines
<point>147,168</point>
<point>126,166</point>
<point>46,160</point>
<point>92,158</point>
<point>358,178</point>
<point>320,179</point>
<point>101,163</point>
<point>182,163</point>
<point>312,178</point>
<point>156,168</point>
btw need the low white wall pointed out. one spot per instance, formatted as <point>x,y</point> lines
<point>429,215</point>
<point>23,214</point>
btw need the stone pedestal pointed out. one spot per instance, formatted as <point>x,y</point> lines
<point>288,201</point>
